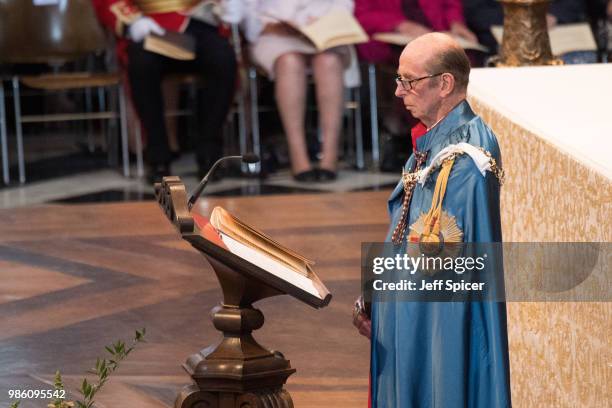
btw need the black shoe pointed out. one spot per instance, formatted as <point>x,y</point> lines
<point>307,176</point>
<point>157,171</point>
<point>326,175</point>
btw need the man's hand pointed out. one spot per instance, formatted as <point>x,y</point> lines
<point>144,26</point>
<point>411,29</point>
<point>363,324</point>
<point>460,30</point>
<point>360,319</point>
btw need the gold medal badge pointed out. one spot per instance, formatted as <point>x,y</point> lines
<point>436,234</point>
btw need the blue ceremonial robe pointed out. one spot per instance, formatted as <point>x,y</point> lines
<point>445,354</point>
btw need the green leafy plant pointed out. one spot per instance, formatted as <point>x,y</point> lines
<point>58,385</point>
<point>104,368</point>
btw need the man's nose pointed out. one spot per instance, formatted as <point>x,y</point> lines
<point>399,91</point>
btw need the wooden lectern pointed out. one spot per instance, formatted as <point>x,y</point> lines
<point>237,372</point>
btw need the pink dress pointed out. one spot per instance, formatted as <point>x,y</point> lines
<point>379,16</point>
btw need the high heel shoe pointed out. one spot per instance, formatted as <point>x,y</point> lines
<point>326,175</point>
<point>307,176</point>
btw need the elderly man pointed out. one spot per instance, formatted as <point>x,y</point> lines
<point>428,354</point>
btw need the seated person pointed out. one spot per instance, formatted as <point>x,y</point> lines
<point>285,56</point>
<point>132,21</point>
<point>410,17</point>
<point>482,14</point>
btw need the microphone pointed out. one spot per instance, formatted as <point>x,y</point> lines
<point>248,158</point>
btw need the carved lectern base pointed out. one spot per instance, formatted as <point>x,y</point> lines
<point>191,397</point>
<point>237,372</point>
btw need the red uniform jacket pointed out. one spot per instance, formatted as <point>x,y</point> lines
<point>117,14</point>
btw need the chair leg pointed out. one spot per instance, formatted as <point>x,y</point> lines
<point>103,107</point>
<point>123,131</point>
<point>91,145</point>
<point>255,116</point>
<point>3,141</point>
<point>242,132</point>
<point>139,160</point>
<point>360,161</point>
<point>18,130</point>
<point>114,130</point>
<point>349,107</point>
<point>374,116</point>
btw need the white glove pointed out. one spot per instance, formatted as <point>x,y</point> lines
<point>232,11</point>
<point>142,27</point>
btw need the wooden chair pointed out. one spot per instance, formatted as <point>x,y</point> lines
<point>54,34</point>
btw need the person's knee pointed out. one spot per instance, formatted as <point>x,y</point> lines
<point>327,61</point>
<point>219,61</point>
<point>289,63</point>
<point>140,60</point>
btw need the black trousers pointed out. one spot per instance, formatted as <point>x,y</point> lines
<point>215,62</point>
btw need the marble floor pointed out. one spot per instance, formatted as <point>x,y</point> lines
<point>104,184</point>
<point>76,278</point>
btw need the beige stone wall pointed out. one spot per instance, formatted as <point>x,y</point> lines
<point>560,352</point>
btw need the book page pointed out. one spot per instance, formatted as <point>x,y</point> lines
<point>172,45</point>
<point>403,39</point>
<point>334,29</point>
<point>393,38</point>
<point>563,38</point>
<point>269,265</point>
<point>232,226</point>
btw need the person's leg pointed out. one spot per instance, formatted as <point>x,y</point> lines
<point>170,91</point>
<point>145,71</point>
<point>327,68</point>
<point>216,61</point>
<point>290,91</point>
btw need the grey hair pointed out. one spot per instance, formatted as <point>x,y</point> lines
<point>454,61</point>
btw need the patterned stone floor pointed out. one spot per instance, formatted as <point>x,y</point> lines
<point>107,185</point>
<point>78,277</point>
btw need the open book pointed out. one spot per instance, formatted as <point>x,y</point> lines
<point>563,38</point>
<point>172,45</point>
<point>331,30</point>
<point>245,242</point>
<point>403,39</point>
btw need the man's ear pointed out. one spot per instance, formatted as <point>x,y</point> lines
<point>447,81</point>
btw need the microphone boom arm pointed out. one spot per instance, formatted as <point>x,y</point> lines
<point>247,158</point>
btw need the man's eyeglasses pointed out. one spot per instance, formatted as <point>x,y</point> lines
<point>406,84</point>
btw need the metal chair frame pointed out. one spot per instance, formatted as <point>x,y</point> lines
<point>3,136</point>
<point>374,115</point>
<point>20,120</point>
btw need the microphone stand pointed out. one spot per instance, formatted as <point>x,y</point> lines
<point>246,158</point>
